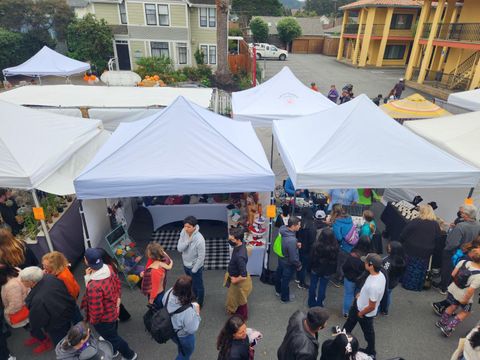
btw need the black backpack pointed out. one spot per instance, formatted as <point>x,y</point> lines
<point>463,274</point>
<point>159,322</point>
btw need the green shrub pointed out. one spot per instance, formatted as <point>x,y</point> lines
<point>199,57</point>
<point>155,65</point>
<point>191,73</point>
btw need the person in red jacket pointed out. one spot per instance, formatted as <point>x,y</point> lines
<point>101,301</point>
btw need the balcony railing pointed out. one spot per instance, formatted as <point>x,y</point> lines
<point>463,32</point>
<point>351,29</point>
<point>441,80</point>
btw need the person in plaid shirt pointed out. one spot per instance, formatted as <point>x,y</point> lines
<point>101,301</point>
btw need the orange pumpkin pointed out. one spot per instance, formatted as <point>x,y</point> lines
<point>156,77</point>
<point>92,77</point>
<point>86,77</point>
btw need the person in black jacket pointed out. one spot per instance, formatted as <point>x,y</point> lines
<point>232,342</point>
<point>419,238</point>
<point>51,308</point>
<point>354,272</point>
<point>394,264</point>
<point>8,211</point>
<point>306,236</point>
<point>300,342</point>
<point>323,261</point>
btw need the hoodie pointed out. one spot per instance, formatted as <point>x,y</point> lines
<point>70,353</point>
<point>289,247</point>
<point>186,322</point>
<point>340,228</point>
<point>192,249</point>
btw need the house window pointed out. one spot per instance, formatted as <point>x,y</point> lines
<point>151,14</point>
<point>182,53</point>
<point>163,18</point>
<point>204,50</point>
<point>395,52</point>
<point>212,17</point>
<point>212,55</point>
<point>208,17</point>
<point>401,21</point>
<point>123,12</point>
<point>159,49</point>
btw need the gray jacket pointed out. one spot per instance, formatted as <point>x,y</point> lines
<point>64,352</point>
<point>192,249</point>
<point>186,322</point>
<point>289,247</point>
<point>462,233</point>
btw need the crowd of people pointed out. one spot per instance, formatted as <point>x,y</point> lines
<point>44,297</point>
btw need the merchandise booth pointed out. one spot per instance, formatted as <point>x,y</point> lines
<point>283,96</point>
<point>45,152</point>
<point>47,62</point>
<point>337,151</point>
<point>112,105</point>
<point>182,151</point>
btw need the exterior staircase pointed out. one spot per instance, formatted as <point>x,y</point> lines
<point>461,77</point>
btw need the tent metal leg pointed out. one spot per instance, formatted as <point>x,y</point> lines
<point>84,224</point>
<point>470,193</point>
<point>42,222</point>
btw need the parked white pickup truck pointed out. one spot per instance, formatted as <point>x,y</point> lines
<point>270,52</point>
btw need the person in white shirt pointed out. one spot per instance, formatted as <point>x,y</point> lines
<point>365,307</point>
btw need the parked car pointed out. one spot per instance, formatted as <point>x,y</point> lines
<point>269,51</point>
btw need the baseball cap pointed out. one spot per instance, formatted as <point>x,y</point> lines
<point>94,258</point>
<point>320,215</point>
<point>372,259</point>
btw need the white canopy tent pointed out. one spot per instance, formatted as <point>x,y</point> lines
<point>469,100</point>
<point>184,149</point>
<point>357,145</point>
<point>48,62</point>
<point>282,96</point>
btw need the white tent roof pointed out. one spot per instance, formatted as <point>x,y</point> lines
<point>34,145</point>
<point>48,62</point>
<point>185,149</point>
<point>357,145</point>
<point>469,100</point>
<point>103,96</point>
<point>282,96</point>
<point>457,134</point>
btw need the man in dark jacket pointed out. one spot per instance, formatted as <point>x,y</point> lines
<point>290,262</point>
<point>300,342</point>
<point>51,308</point>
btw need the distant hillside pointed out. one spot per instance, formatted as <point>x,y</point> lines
<point>292,4</point>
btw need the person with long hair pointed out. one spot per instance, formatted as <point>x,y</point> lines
<point>323,260</point>
<point>341,226</point>
<point>80,343</point>
<point>342,347</point>
<point>306,236</point>
<point>394,264</point>
<point>232,342</point>
<point>13,295</point>
<point>419,238</point>
<point>56,264</point>
<point>185,323</point>
<point>14,252</point>
<point>354,271</point>
<point>155,275</point>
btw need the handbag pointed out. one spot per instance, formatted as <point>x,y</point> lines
<point>20,316</point>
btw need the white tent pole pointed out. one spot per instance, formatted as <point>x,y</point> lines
<point>39,80</point>
<point>42,222</point>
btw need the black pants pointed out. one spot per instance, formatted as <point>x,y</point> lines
<point>4,352</point>
<point>109,332</point>
<point>366,323</point>
<point>446,270</point>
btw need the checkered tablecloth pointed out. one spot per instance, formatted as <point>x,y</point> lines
<point>216,257</point>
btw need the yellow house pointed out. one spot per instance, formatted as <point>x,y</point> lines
<point>173,28</point>
<point>383,35</point>
<point>446,50</point>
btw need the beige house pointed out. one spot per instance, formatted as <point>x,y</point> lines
<point>174,28</point>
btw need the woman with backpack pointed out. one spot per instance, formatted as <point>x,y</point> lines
<point>394,265</point>
<point>323,261</point>
<point>419,238</point>
<point>186,322</point>
<point>347,236</point>
<point>355,273</point>
<point>466,279</point>
<point>155,274</point>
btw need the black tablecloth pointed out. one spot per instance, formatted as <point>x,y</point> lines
<point>66,235</point>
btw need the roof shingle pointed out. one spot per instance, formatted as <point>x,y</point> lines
<point>383,3</point>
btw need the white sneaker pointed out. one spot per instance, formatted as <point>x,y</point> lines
<point>11,357</point>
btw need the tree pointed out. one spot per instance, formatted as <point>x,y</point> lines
<point>288,29</point>
<point>223,74</point>
<point>325,7</point>
<point>259,30</point>
<point>245,9</point>
<point>90,39</point>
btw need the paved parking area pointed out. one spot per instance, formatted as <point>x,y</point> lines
<point>325,71</point>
